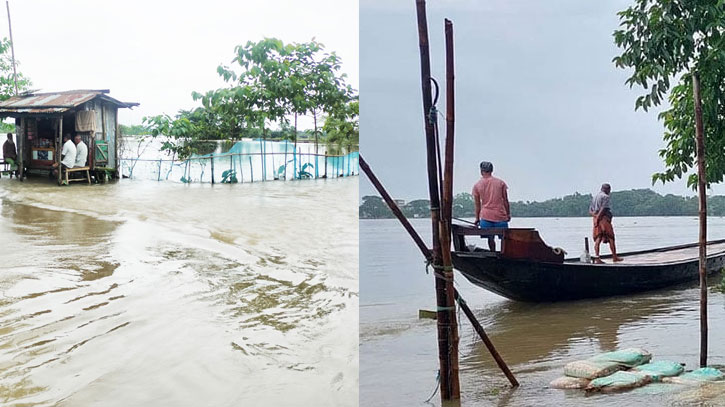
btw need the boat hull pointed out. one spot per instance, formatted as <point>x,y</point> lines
<point>533,281</point>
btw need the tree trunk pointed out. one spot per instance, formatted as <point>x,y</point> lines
<point>701,185</point>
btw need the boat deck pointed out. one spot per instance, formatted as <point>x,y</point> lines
<point>666,256</point>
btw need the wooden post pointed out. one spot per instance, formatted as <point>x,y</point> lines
<point>427,254</point>
<point>702,194</point>
<point>20,138</point>
<point>447,348</point>
<point>447,209</point>
<point>59,143</point>
<point>212,168</point>
<point>116,141</point>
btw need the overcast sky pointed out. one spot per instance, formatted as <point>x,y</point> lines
<point>158,52</point>
<point>536,94</point>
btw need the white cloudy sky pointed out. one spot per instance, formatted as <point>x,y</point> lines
<point>158,52</point>
<point>536,93</point>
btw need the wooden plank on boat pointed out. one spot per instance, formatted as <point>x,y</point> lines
<point>671,256</point>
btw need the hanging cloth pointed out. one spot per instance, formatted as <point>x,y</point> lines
<point>86,121</point>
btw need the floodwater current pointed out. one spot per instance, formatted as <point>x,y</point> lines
<point>160,294</point>
<point>398,351</point>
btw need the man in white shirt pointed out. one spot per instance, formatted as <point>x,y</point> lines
<point>81,152</point>
<point>67,154</point>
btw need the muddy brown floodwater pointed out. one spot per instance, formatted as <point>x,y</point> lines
<point>160,294</point>
<point>399,356</point>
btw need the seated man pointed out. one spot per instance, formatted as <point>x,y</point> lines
<point>81,152</point>
<point>68,155</point>
<point>9,153</point>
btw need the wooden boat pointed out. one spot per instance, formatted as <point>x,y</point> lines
<point>526,269</point>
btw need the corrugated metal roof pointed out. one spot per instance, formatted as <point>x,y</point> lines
<point>55,102</point>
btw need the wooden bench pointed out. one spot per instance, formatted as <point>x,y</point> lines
<point>78,169</point>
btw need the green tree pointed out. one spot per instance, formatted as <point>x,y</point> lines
<point>373,207</point>
<point>342,129</point>
<point>134,130</point>
<point>7,82</point>
<point>666,39</point>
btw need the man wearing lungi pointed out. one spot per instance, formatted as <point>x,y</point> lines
<point>603,232</point>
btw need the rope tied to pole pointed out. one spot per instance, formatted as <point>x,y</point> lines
<point>447,274</point>
<point>435,390</point>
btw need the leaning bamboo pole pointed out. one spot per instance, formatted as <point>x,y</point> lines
<point>701,185</point>
<point>446,312</point>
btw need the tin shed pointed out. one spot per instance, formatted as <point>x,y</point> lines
<point>41,120</point>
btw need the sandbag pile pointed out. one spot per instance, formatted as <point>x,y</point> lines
<point>627,369</point>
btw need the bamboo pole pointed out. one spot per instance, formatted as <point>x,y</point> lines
<point>427,254</point>
<point>446,312</point>
<point>447,207</point>
<point>701,185</point>
<point>59,150</point>
<point>481,333</point>
<point>12,48</point>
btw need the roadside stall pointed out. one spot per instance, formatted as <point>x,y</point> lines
<point>41,120</point>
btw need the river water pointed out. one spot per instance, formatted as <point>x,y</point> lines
<point>161,294</point>
<point>398,352</point>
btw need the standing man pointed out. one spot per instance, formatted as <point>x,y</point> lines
<point>10,154</point>
<point>603,232</point>
<point>81,152</point>
<point>491,202</point>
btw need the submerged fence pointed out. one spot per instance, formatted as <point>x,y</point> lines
<point>246,161</point>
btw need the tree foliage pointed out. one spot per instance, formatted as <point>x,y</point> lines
<point>7,83</point>
<point>669,40</point>
<point>342,128</point>
<point>267,82</point>
<point>134,130</point>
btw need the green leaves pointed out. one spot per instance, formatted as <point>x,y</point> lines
<point>7,81</point>
<point>267,82</point>
<point>665,39</point>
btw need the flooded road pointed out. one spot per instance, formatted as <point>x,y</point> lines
<point>146,293</point>
<point>398,352</point>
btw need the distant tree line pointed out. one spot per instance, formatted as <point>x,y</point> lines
<point>636,202</point>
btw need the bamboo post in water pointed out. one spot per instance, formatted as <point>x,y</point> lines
<point>447,208</point>
<point>701,185</point>
<point>12,47</point>
<point>251,169</point>
<point>427,254</point>
<point>212,168</point>
<point>446,311</point>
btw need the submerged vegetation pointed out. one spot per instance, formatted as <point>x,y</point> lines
<point>269,85</point>
<point>636,202</point>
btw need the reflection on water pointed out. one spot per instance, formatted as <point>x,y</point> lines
<point>140,293</point>
<point>398,354</point>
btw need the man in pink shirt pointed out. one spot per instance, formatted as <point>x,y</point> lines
<point>491,202</point>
